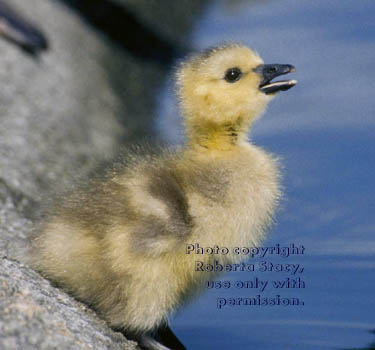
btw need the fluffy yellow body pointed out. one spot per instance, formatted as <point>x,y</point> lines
<point>119,244</point>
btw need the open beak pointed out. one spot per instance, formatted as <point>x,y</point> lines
<point>271,71</point>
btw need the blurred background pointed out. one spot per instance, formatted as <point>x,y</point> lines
<point>102,77</point>
<point>323,130</point>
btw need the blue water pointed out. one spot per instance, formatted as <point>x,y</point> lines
<point>323,129</point>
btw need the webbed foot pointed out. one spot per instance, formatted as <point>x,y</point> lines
<point>162,339</point>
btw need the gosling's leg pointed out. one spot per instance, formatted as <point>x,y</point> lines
<point>168,338</point>
<point>147,342</point>
<point>164,339</point>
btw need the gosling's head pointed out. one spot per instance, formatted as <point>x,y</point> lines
<point>225,88</point>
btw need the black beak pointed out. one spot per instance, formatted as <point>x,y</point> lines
<point>271,71</point>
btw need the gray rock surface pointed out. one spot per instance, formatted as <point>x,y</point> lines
<point>35,315</point>
<point>60,116</point>
<point>64,112</point>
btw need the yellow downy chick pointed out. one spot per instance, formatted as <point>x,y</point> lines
<point>119,244</point>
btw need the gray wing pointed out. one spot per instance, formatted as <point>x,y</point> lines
<point>164,216</point>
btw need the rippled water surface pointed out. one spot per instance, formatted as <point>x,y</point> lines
<point>323,130</point>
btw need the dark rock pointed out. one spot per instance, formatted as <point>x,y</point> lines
<point>171,20</point>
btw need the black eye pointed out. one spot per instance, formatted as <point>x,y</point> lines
<point>232,75</point>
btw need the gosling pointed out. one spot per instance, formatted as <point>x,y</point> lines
<point>119,244</point>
